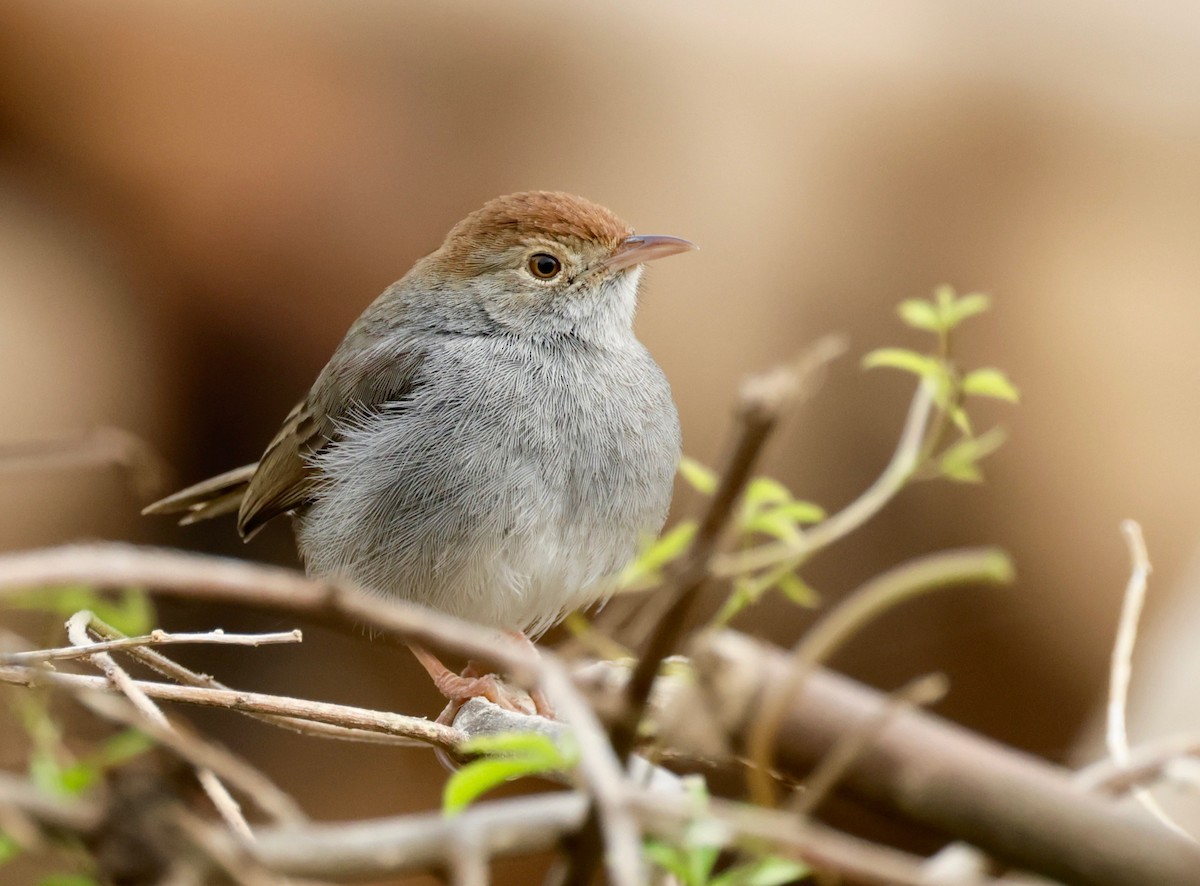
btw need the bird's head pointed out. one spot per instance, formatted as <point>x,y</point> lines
<point>544,262</point>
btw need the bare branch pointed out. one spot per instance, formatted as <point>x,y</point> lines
<point>893,587</point>
<point>154,638</point>
<point>1022,811</point>
<point>425,731</point>
<point>1116,735</point>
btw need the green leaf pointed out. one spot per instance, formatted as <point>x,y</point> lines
<point>78,777</point>
<point>531,744</point>
<point>803,511</point>
<point>122,747</point>
<point>130,612</point>
<point>659,553</point>
<point>769,871</point>
<point>990,382</point>
<point>475,779</point>
<point>920,314</point>
<point>960,461</point>
<point>943,297</point>
<point>513,755</point>
<point>9,848</point>
<point>701,478</point>
<point>904,359</point>
<point>774,523</point>
<point>764,491</point>
<point>670,858</point>
<point>958,415</point>
<point>45,772</point>
<point>966,306</point>
<point>68,880</point>
<point>794,588</point>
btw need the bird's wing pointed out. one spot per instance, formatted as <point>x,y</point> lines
<point>359,380</point>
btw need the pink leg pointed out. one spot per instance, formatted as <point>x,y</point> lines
<point>459,689</point>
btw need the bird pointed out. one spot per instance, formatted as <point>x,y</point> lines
<point>489,439</point>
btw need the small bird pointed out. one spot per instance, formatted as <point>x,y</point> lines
<point>490,439</point>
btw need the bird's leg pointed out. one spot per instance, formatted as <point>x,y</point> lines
<point>461,688</point>
<point>541,704</point>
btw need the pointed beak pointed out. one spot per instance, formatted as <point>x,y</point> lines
<point>642,248</point>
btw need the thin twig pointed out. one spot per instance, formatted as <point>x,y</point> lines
<point>180,674</point>
<point>154,638</point>
<point>101,447</point>
<point>905,459</point>
<point>1116,734</point>
<point>922,692</point>
<point>198,577</point>
<point>425,731</point>
<point>864,605</point>
<point>224,802</point>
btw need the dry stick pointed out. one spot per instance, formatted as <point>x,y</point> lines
<point>893,587</point>
<point>198,577</point>
<point>820,846</point>
<point>1022,811</point>
<point>101,447</point>
<point>154,638</point>
<point>382,847</point>
<point>923,692</point>
<point>385,722</point>
<point>1116,735</point>
<point>604,777</point>
<point>187,677</point>
<point>1147,763</point>
<point>224,802</point>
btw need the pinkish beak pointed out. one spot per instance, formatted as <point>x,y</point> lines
<point>642,248</point>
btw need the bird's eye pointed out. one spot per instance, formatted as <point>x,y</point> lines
<point>544,266</point>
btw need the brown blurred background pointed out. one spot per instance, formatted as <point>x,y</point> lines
<point>197,198</point>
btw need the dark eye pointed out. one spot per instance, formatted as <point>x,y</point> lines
<point>544,266</point>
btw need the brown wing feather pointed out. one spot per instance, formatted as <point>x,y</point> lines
<point>360,378</point>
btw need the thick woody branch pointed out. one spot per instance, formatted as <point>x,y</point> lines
<point>1022,811</point>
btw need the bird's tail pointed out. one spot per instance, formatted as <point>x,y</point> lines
<point>210,498</point>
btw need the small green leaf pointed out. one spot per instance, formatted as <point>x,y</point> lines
<point>803,511</point>
<point>659,553</point>
<point>513,755</point>
<point>960,461</point>
<point>701,478</point>
<point>958,415</point>
<point>531,744</point>
<point>966,306</point>
<point>990,382</point>
<point>774,523</point>
<point>920,314</point>
<point>122,747</point>
<point>9,848</point>
<point>475,779</point>
<point>764,491</point>
<point>943,297</point>
<point>78,777</point>
<point>68,880</point>
<point>130,612</point>
<point>670,858</point>
<point>45,772</point>
<point>902,358</point>
<point>794,588</point>
<point>769,871</point>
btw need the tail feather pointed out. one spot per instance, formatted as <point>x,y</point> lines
<point>210,498</point>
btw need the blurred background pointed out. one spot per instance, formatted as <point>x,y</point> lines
<point>197,198</point>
